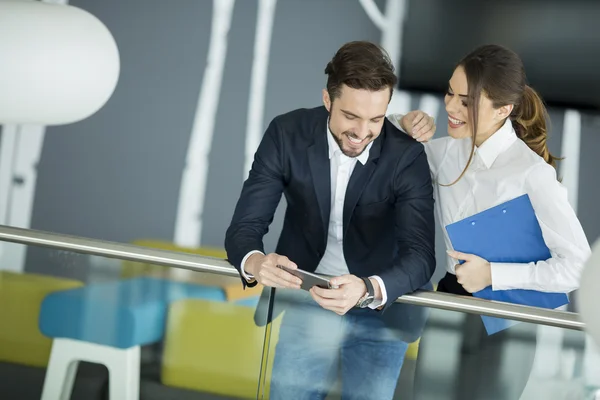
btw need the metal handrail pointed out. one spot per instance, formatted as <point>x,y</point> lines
<point>124,251</point>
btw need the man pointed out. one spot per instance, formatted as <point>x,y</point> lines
<point>360,209</point>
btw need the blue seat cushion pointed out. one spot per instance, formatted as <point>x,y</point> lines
<point>248,302</point>
<point>120,314</point>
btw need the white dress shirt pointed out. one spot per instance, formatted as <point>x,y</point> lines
<point>333,262</point>
<point>503,168</point>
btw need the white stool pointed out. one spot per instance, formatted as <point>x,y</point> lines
<point>123,369</point>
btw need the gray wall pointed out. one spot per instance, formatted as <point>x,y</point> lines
<point>116,175</point>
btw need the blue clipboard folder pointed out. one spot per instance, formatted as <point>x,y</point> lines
<point>507,233</point>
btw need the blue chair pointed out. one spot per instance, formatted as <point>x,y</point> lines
<point>107,323</point>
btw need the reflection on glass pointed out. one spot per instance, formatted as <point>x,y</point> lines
<point>94,327</point>
<point>133,329</point>
<point>514,364</point>
<point>319,354</point>
<point>356,356</point>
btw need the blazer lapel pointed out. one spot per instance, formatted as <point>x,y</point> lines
<point>318,160</point>
<point>359,179</point>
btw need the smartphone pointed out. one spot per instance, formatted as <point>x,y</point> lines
<point>309,279</point>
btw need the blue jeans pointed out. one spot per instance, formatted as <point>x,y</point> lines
<point>313,342</point>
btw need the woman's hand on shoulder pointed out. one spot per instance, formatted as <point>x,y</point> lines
<point>419,125</point>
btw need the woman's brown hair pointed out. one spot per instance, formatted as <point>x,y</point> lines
<point>499,73</point>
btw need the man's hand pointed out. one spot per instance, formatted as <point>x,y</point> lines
<point>474,274</point>
<point>350,290</point>
<point>419,125</point>
<point>266,271</point>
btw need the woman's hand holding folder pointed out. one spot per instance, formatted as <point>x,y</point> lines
<point>474,274</point>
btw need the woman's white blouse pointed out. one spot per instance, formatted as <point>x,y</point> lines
<point>503,168</point>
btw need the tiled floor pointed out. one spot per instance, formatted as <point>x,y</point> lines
<point>25,383</point>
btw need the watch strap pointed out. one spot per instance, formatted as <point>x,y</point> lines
<point>369,285</point>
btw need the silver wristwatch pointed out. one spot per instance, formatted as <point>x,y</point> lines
<point>369,296</point>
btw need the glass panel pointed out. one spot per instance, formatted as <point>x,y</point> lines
<point>182,334</point>
<point>457,359</point>
<point>412,352</point>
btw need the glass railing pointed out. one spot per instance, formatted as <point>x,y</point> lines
<point>420,353</point>
<point>153,321</point>
<point>125,327</point>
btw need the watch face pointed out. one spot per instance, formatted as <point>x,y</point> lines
<point>366,302</point>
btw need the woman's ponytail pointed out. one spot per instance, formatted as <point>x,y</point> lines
<point>530,120</point>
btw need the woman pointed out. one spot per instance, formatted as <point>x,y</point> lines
<point>495,152</point>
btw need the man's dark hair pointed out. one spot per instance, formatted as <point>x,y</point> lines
<point>360,65</point>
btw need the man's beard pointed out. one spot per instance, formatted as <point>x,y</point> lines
<point>340,142</point>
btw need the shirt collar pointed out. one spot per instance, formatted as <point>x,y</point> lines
<point>497,143</point>
<point>334,149</point>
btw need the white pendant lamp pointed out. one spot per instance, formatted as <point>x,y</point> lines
<point>58,64</point>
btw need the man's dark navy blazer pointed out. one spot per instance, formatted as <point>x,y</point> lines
<point>388,217</point>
